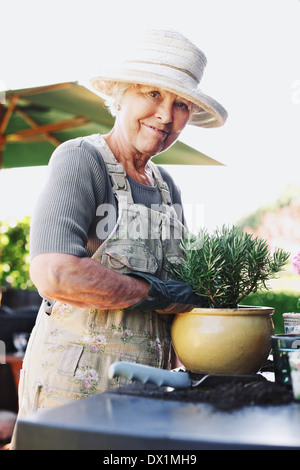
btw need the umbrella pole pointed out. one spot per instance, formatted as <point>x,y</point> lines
<point>4,119</point>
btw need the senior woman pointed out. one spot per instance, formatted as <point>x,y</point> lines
<point>105,229</point>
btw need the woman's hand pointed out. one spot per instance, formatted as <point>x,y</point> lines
<point>84,282</point>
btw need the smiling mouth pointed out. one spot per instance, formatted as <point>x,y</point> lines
<point>155,129</point>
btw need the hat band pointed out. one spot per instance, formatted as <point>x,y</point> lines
<point>163,65</point>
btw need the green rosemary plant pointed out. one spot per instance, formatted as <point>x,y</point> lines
<point>227,265</point>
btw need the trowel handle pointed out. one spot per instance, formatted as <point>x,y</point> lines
<point>148,374</point>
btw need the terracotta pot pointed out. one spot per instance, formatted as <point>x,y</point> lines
<point>223,341</point>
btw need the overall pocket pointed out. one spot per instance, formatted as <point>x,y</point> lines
<point>126,255</point>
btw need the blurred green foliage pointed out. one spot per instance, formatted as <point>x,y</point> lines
<point>280,301</point>
<point>14,254</point>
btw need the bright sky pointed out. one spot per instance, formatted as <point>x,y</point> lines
<point>253,52</point>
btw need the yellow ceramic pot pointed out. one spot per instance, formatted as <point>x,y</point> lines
<point>223,341</point>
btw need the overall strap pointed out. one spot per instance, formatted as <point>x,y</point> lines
<point>162,185</point>
<point>120,185</point>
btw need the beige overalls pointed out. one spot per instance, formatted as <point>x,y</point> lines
<point>70,351</point>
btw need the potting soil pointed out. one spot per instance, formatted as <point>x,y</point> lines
<point>224,395</point>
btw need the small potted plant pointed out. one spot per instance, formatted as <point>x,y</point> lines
<point>224,268</point>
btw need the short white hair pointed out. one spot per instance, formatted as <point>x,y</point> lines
<point>118,91</point>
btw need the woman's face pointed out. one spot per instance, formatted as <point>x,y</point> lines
<point>151,119</point>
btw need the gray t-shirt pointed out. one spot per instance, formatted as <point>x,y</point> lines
<point>77,199</point>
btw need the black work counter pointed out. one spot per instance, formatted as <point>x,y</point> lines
<point>122,422</point>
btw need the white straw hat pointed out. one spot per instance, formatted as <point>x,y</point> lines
<point>166,59</point>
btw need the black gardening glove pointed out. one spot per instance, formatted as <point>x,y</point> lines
<point>167,296</point>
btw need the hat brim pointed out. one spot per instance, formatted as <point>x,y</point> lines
<point>209,114</point>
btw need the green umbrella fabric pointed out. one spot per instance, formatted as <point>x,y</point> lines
<point>34,121</point>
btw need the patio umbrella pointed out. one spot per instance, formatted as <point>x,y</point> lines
<point>33,121</point>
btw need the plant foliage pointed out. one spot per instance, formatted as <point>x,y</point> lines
<point>226,266</point>
<point>14,254</point>
<point>282,302</point>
